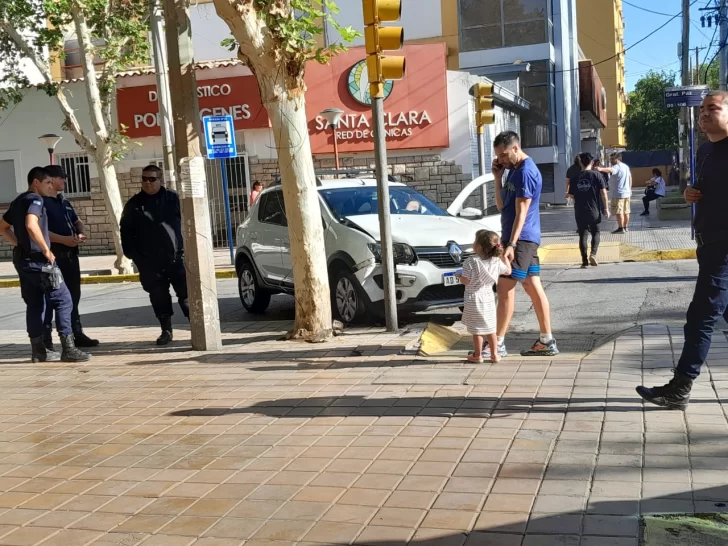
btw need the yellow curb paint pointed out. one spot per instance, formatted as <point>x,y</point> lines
<point>438,339</point>
<point>115,279</point>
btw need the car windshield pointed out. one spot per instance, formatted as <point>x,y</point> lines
<point>362,200</point>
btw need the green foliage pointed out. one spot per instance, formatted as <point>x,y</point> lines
<point>711,71</point>
<point>296,25</point>
<point>117,29</point>
<point>649,125</point>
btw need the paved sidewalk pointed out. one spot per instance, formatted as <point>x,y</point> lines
<point>357,441</point>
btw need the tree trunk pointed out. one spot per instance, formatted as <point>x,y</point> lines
<point>114,207</point>
<point>303,211</point>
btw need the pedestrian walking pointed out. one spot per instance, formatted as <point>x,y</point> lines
<point>655,190</point>
<point>517,198</point>
<point>151,236</point>
<point>620,182</point>
<point>480,274</point>
<point>25,227</point>
<point>710,299</point>
<point>573,170</point>
<point>590,202</point>
<point>66,232</point>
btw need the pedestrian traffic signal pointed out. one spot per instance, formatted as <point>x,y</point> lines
<point>379,39</point>
<point>484,113</point>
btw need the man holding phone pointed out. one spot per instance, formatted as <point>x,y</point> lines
<point>517,198</point>
<point>66,231</point>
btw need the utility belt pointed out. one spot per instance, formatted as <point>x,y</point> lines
<point>703,239</point>
<point>21,254</point>
<point>64,252</point>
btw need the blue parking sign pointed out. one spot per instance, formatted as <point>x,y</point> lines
<point>219,137</point>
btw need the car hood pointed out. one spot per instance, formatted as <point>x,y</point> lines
<point>419,230</point>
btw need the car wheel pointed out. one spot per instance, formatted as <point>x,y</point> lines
<point>254,298</point>
<point>346,296</point>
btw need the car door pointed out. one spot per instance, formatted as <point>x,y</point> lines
<point>272,250</point>
<point>458,208</point>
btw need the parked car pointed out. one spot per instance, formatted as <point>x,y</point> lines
<point>430,245</point>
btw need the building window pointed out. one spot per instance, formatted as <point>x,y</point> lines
<point>489,24</point>
<point>538,123</point>
<point>76,166</point>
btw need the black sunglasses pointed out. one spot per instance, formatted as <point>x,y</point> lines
<point>149,179</point>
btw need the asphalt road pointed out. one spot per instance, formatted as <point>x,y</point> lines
<point>598,301</point>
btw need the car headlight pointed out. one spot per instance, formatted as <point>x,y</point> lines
<point>403,253</point>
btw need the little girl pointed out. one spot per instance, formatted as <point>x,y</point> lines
<point>479,275</point>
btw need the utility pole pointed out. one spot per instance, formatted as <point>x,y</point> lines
<point>159,48</point>
<point>199,258</point>
<point>697,66</point>
<point>723,53</point>
<point>685,80</point>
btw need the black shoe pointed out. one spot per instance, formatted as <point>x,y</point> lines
<point>70,352</point>
<point>584,265</point>
<point>626,230</point>
<point>646,213</point>
<point>82,340</point>
<point>48,340</point>
<point>674,395</point>
<point>618,231</point>
<point>165,338</point>
<point>41,353</point>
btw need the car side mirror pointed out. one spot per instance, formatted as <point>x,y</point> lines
<point>471,213</point>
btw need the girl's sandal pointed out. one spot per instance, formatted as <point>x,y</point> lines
<point>495,360</point>
<point>474,359</point>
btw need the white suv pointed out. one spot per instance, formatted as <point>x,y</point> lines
<point>430,245</point>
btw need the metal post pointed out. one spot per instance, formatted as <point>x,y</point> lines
<point>723,54</point>
<point>697,66</point>
<point>685,80</point>
<point>385,227</point>
<point>691,113</point>
<point>481,166</point>
<point>199,257</point>
<point>336,147</point>
<point>51,156</point>
<point>228,221</point>
<point>159,48</point>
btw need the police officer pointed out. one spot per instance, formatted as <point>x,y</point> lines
<point>66,233</point>
<point>25,227</point>
<point>710,300</point>
<point>151,236</point>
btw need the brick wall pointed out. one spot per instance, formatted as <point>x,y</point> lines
<point>439,180</point>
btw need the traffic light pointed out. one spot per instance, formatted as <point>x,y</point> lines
<point>484,113</point>
<point>379,39</point>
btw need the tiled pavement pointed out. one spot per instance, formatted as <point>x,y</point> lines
<point>354,442</point>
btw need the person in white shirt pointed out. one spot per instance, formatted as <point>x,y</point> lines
<point>620,184</point>
<point>655,189</point>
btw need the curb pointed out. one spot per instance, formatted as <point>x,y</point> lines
<point>116,279</point>
<point>564,254</point>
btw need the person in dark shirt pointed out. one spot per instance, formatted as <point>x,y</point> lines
<point>710,299</point>
<point>25,227</point>
<point>571,172</point>
<point>67,234</point>
<point>151,236</point>
<point>590,201</point>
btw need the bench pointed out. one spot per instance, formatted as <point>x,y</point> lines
<point>673,207</point>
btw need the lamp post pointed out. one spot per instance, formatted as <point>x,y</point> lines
<point>333,116</point>
<point>51,141</point>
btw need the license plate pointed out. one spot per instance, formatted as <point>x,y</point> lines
<point>449,279</point>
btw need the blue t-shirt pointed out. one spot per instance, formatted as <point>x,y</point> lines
<point>524,181</point>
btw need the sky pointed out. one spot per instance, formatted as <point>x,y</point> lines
<point>659,52</point>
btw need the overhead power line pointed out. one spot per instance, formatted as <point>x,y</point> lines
<point>647,10</point>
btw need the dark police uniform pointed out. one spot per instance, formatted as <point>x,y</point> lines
<point>62,221</point>
<point>28,259</point>
<point>151,236</point>
<point>710,299</point>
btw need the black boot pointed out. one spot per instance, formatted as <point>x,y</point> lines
<point>41,353</point>
<point>167,336</point>
<point>82,340</point>
<point>70,352</point>
<point>674,395</point>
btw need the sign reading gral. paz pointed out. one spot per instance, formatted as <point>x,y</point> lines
<point>416,109</point>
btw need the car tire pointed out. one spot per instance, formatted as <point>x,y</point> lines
<point>254,298</point>
<point>347,298</point>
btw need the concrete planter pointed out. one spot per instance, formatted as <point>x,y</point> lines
<point>673,208</point>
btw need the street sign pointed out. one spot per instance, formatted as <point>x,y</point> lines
<point>689,95</point>
<point>219,137</point>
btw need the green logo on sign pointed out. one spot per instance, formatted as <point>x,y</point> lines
<point>359,84</point>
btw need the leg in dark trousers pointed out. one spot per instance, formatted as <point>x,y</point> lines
<point>646,201</point>
<point>596,237</point>
<point>178,278</point>
<point>584,244</point>
<point>156,281</point>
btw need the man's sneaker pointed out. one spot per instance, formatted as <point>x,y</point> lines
<point>626,230</point>
<point>593,261</point>
<point>618,231</point>
<point>674,395</point>
<point>542,349</point>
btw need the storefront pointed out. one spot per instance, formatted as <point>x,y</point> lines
<point>429,125</point>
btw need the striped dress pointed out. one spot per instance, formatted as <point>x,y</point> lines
<point>479,316</point>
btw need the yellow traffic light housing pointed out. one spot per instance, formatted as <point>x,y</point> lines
<point>379,39</point>
<point>484,104</point>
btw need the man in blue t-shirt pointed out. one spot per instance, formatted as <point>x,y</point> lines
<point>518,202</point>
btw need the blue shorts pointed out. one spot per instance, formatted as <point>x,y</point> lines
<point>525,263</point>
